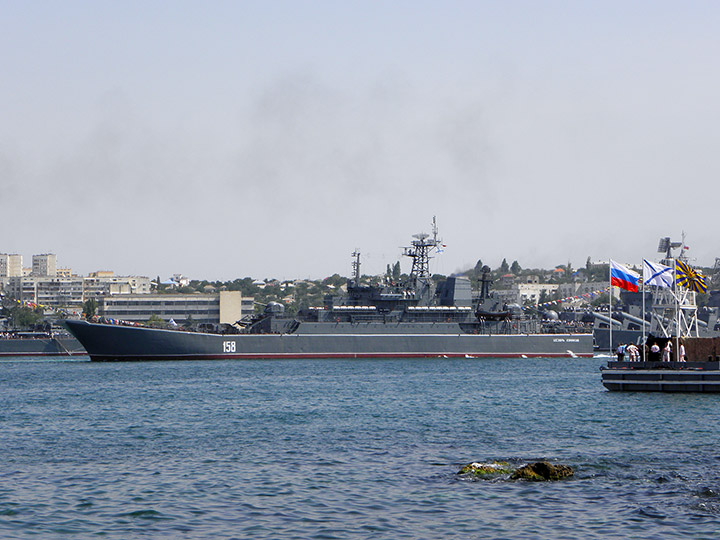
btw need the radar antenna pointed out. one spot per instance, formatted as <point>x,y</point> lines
<point>666,246</point>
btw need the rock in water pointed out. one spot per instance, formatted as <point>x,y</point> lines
<point>486,469</point>
<point>542,470</point>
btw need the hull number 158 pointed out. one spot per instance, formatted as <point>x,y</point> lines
<point>228,346</point>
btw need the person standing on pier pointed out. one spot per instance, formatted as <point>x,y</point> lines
<point>667,352</point>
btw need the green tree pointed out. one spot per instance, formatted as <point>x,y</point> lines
<point>155,321</point>
<point>601,299</point>
<point>543,297</point>
<point>504,266</point>
<point>396,271</point>
<point>90,308</point>
<point>515,268</point>
<point>336,280</point>
<point>25,317</point>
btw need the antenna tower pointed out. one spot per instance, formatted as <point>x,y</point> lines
<point>356,267</point>
<point>674,311</point>
<point>419,252</point>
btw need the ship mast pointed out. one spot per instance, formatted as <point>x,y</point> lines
<point>674,311</point>
<point>356,267</point>
<point>419,251</point>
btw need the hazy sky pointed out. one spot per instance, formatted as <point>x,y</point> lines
<point>271,139</point>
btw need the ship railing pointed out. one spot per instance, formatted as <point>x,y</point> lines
<point>24,335</point>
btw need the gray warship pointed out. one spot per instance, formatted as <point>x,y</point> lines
<point>39,344</point>
<point>413,319</point>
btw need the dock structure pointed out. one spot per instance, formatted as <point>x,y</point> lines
<point>700,373</point>
<point>662,376</point>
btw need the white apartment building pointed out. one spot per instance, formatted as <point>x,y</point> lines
<point>522,293</point>
<point>44,265</point>
<point>530,292</point>
<point>71,291</point>
<point>11,265</point>
<point>104,283</point>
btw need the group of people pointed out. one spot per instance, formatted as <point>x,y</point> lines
<point>630,349</point>
<point>633,352</point>
<point>24,335</point>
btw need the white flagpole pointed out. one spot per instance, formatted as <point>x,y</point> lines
<point>612,350</point>
<point>677,310</point>
<point>644,356</point>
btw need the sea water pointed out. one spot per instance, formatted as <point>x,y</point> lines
<point>348,449</point>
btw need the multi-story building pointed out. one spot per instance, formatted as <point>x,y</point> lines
<point>71,291</point>
<point>11,265</point>
<point>530,292</point>
<point>55,292</point>
<point>44,265</point>
<point>105,282</point>
<point>225,307</point>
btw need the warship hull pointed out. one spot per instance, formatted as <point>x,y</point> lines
<point>41,347</point>
<point>108,342</point>
<point>602,338</point>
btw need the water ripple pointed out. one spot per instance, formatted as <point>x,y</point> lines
<point>347,449</point>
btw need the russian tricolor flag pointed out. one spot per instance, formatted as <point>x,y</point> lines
<point>621,276</point>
